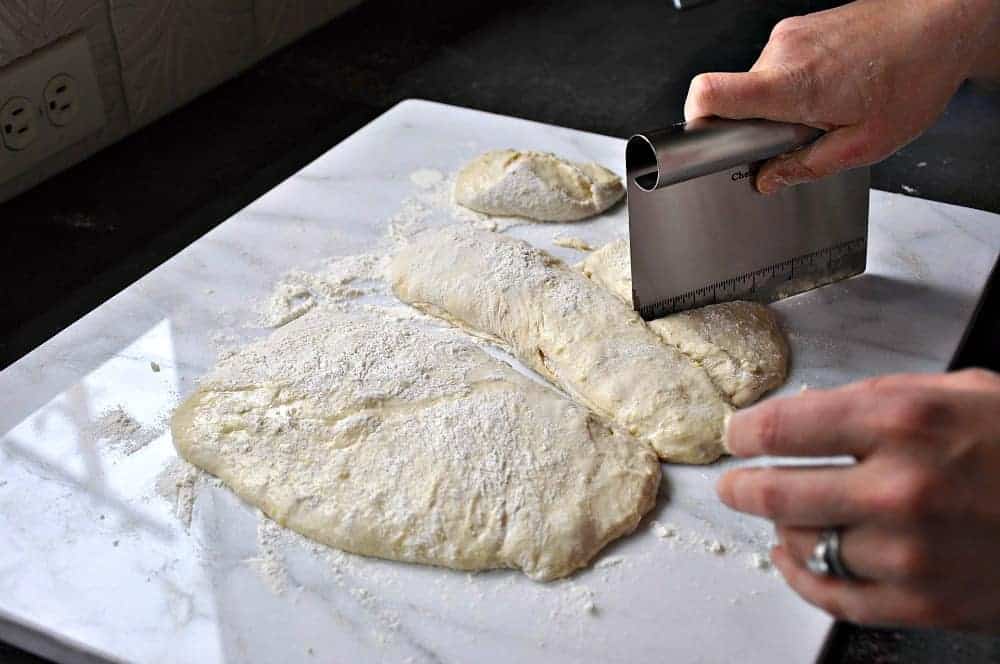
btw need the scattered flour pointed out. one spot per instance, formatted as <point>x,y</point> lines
<point>715,546</point>
<point>118,431</point>
<point>573,602</point>
<point>664,530</point>
<point>343,278</point>
<point>610,561</point>
<point>909,190</point>
<point>760,561</point>
<point>269,562</point>
<point>178,484</point>
<point>426,178</point>
<point>433,203</point>
<point>226,345</point>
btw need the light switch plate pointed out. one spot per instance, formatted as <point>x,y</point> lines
<point>57,86</point>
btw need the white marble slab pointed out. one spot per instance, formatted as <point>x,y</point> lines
<point>92,555</point>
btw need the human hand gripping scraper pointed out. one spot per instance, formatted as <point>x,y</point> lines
<point>701,233</point>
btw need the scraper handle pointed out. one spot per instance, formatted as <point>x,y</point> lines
<point>707,145</point>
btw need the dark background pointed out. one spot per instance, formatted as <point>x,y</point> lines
<point>611,68</point>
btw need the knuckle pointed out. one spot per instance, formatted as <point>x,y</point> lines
<point>789,29</point>
<point>768,430</point>
<point>911,494</point>
<point>770,497</point>
<point>704,89</point>
<point>913,416</point>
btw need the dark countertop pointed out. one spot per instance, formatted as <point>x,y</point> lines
<point>75,241</point>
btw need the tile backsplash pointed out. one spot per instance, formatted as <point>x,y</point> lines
<point>152,56</point>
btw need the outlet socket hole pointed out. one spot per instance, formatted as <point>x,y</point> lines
<point>17,112</point>
<point>61,89</point>
<point>8,128</point>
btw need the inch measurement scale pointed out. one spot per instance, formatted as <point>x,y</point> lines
<point>700,233</point>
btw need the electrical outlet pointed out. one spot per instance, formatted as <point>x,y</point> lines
<point>19,123</point>
<point>62,100</point>
<point>49,101</point>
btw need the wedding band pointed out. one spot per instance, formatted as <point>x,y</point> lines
<point>825,559</point>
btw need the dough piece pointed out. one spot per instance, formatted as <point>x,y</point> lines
<point>536,185</point>
<point>570,330</point>
<point>385,437</point>
<point>739,344</point>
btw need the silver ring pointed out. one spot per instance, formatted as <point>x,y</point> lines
<point>825,559</point>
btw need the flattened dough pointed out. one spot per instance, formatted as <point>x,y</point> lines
<point>536,185</point>
<point>570,330</point>
<point>739,344</point>
<point>387,439</point>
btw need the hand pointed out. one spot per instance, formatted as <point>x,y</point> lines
<point>873,73</point>
<point>919,512</point>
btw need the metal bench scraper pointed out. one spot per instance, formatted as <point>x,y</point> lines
<point>701,233</point>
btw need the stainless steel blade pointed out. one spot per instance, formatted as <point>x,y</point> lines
<point>700,232</point>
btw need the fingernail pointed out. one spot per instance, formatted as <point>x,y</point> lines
<point>730,426</point>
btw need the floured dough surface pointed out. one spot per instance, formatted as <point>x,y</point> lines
<point>740,344</point>
<point>570,330</point>
<point>388,437</point>
<point>536,185</point>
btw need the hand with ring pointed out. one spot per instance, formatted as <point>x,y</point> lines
<point>908,535</point>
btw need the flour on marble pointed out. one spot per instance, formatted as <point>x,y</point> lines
<point>426,178</point>
<point>760,561</point>
<point>118,431</point>
<point>433,203</point>
<point>347,572</point>
<point>664,530</point>
<point>714,546</point>
<point>269,561</point>
<point>178,483</point>
<point>609,561</point>
<point>342,278</point>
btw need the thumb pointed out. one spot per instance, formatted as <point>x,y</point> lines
<point>841,149</point>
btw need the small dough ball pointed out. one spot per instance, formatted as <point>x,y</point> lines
<point>536,185</point>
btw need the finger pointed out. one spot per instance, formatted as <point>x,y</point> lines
<point>841,149</point>
<point>794,496</point>
<point>924,403</point>
<point>765,93</point>
<point>859,601</point>
<point>870,552</point>
<point>840,598</point>
<point>812,423</point>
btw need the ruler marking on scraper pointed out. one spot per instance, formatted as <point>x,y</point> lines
<point>776,280</point>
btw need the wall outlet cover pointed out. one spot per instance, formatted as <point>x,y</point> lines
<point>49,100</point>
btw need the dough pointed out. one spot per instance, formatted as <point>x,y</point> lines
<point>384,437</point>
<point>570,330</point>
<point>536,185</point>
<point>739,344</point>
